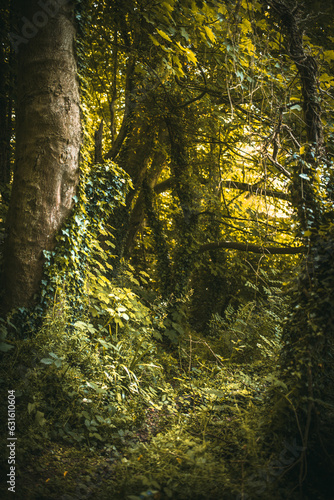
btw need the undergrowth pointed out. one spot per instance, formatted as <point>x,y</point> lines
<point>189,422</point>
<point>109,405</point>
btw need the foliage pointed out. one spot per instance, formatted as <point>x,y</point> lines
<point>188,366</point>
<point>307,356</point>
<point>253,330</point>
<point>103,383</point>
<point>78,242</point>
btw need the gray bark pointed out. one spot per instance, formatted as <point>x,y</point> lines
<point>48,137</point>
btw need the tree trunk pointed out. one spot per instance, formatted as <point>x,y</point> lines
<point>48,136</point>
<point>304,194</point>
<point>307,355</point>
<point>4,171</point>
<point>5,100</point>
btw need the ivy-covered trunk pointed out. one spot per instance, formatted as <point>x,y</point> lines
<point>307,357</point>
<point>48,135</point>
<point>187,220</point>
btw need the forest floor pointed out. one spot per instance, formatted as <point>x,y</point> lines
<point>187,443</point>
<point>126,417</point>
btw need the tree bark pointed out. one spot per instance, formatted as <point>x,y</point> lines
<point>5,100</point>
<point>4,122</point>
<point>48,136</point>
<point>304,193</point>
<point>98,144</point>
<point>137,215</point>
<point>130,105</point>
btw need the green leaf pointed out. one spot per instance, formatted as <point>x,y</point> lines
<point>92,385</point>
<point>81,325</point>
<point>47,361</point>
<point>105,344</point>
<point>164,35</point>
<point>184,34</point>
<point>4,347</point>
<point>328,55</point>
<point>296,107</point>
<point>31,407</point>
<point>209,34</point>
<point>191,56</point>
<point>215,392</point>
<point>97,436</point>
<point>304,176</point>
<point>154,40</point>
<point>39,418</point>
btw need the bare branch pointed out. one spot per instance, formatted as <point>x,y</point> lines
<point>98,144</point>
<point>255,189</point>
<point>164,186</point>
<point>278,166</point>
<point>129,106</point>
<point>250,247</point>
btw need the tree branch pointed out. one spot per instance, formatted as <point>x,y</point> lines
<point>98,135</point>
<point>194,99</point>
<point>114,92</point>
<point>278,166</point>
<point>255,189</point>
<point>250,247</point>
<point>164,186</point>
<point>129,106</point>
<point>243,186</point>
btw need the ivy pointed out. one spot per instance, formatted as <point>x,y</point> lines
<point>79,248</point>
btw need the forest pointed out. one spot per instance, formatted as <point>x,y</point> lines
<point>166,249</point>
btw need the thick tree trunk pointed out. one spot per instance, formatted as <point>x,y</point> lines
<point>304,194</point>
<point>4,111</point>
<point>134,157</point>
<point>48,136</point>
<point>307,355</point>
<point>5,100</point>
<point>187,225</point>
<point>137,215</point>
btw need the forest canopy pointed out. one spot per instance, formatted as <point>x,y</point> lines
<point>166,238</point>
